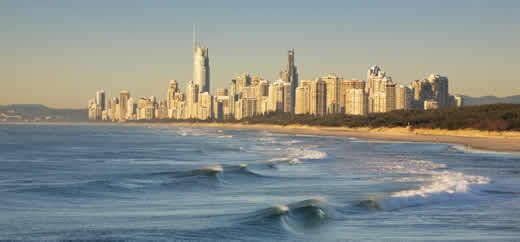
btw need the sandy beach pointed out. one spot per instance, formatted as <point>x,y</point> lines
<point>471,139</point>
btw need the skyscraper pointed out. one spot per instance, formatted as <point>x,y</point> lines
<point>201,69</point>
<point>276,96</point>
<point>302,100</point>
<point>318,97</point>
<point>172,89</point>
<point>232,96</point>
<point>292,76</point>
<point>378,83</point>
<point>192,95</point>
<point>333,83</point>
<point>403,97</point>
<point>242,82</point>
<point>222,92</point>
<point>124,95</point>
<point>101,99</point>
<point>355,97</point>
<point>440,89</point>
<point>433,88</point>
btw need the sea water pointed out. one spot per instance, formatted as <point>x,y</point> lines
<point>138,183</point>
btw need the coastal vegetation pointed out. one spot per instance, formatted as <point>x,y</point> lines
<point>492,117</point>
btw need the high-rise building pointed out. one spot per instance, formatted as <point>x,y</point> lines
<point>201,70</point>
<point>146,109</point>
<point>245,107</point>
<point>355,97</point>
<point>114,109</point>
<point>288,100</point>
<point>422,90</point>
<point>192,95</point>
<point>162,110</point>
<point>318,98</point>
<point>222,92</point>
<point>356,101</point>
<point>389,97</point>
<point>124,95</point>
<point>403,97</point>
<point>433,88</point>
<point>101,99</point>
<point>242,81</point>
<point>205,106</point>
<point>333,83</point>
<point>232,96</point>
<point>172,89</point>
<point>376,86</point>
<point>248,92</point>
<point>431,104</point>
<point>302,100</point>
<point>179,112</point>
<point>374,79</point>
<point>459,101</point>
<point>276,96</point>
<point>221,108</point>
<point>262,89</point>
<point>132,108</point>
<point>440,89</point>
<point>292,77</point>
<point>255,81</point>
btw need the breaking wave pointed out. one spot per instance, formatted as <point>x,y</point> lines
<point>298,155</point>
<point>293,217</point>
<point>445,186</point>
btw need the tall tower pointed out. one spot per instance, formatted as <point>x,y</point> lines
<point>201,69</point>
<point>292,76</point>
<point>290,65</point>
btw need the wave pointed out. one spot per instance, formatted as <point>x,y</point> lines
<point>242,169</point>
<point>446,186</point>
<point>295,217</point>
<point>471,150</point>
<point>206,171</point>
<point>298,155</point>
<point>88,188</point>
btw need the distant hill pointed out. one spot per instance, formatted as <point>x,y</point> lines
<point>475,101</point>
<point>38,112</point>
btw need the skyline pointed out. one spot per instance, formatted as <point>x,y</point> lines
<point>64,52</point>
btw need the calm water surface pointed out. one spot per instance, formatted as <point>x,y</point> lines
<point>159,183</point>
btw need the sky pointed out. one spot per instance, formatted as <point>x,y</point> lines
<point>59,53</point>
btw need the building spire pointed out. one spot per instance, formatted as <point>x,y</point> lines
<point>194,36</point>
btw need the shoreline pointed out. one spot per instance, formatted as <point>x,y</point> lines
<point>472,139</point>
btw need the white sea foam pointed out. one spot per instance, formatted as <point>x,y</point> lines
<point>281,209</point>
<point>215,168</point>
<point>309,154</point>
<point>296,155</point>
<point>444,186</point>
<point>289,142</point>
<point>467,149</point>
<point>225,136</point>
<point>295,162</point>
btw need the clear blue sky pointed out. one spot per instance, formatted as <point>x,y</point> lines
<point>59,53</point>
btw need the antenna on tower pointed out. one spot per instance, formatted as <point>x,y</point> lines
<point>194,36</point>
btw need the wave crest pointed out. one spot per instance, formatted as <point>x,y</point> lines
<point>446,186</point>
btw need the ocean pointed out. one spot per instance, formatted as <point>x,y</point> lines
<point>139,183</point>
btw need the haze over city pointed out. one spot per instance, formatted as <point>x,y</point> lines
<point>59,53</point>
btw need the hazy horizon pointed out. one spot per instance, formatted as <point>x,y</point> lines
<point>59,53</point>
